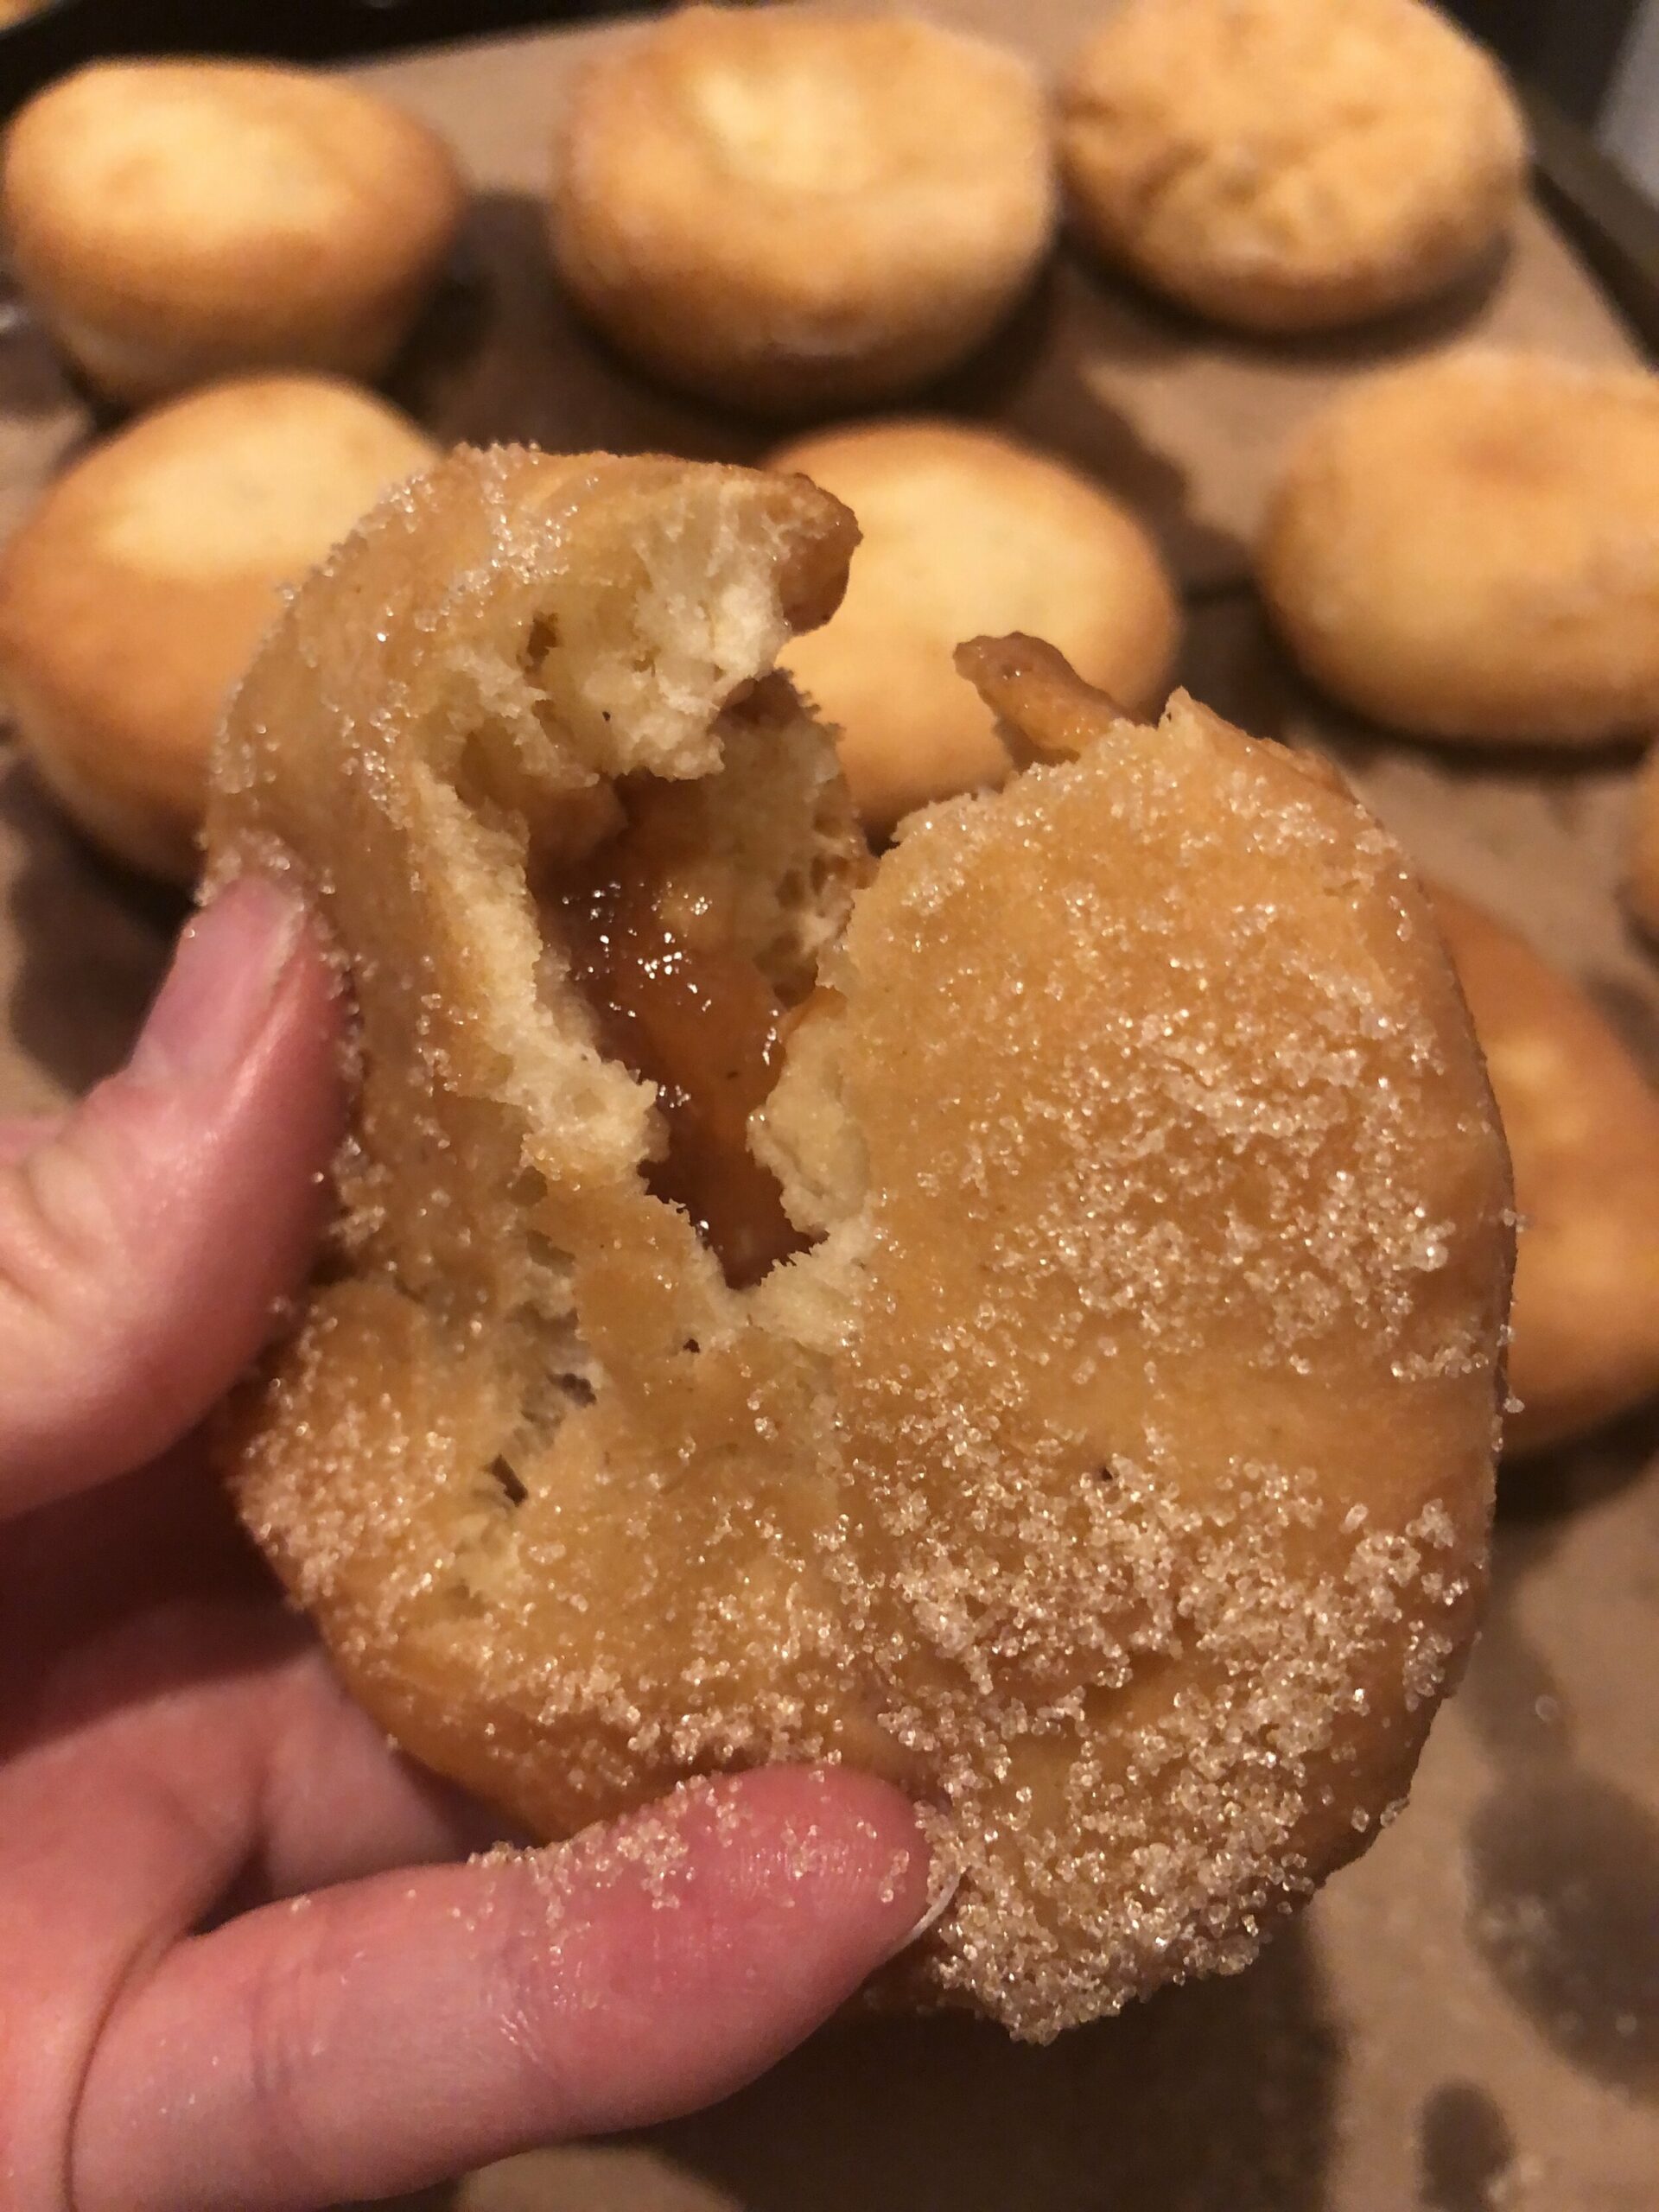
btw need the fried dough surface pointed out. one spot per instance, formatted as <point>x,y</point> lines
<point>1111,1464</point>
<point>1642,869</point>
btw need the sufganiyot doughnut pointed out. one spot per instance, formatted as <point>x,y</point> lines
<point>1024,1319</point>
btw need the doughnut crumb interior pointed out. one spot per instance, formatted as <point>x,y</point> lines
<point>1086,1418</point>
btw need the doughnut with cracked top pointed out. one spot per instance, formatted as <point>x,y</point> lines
<point>1022,1318</point>
<point>1290,165</point>
<point>793,212</point>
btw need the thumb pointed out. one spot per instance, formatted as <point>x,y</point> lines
<point>144,1245</point>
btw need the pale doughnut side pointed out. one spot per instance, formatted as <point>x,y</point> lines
<point>1112,1470</point>
<point>1642,869</point>
<point>1582,1120</point>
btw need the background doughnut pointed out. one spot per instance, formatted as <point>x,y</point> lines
<point>1112,1469</point>
<point>1289,165</point>
<point>965,531</point>
<point>175,221</point>
<point>790,211</point>
<point>1582,1122</point>
<point>1468,549</point>
<point>132,598</point>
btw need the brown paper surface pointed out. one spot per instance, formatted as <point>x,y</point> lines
<point>1469,2018</point>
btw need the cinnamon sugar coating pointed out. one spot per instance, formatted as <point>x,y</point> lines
<point>1111,1470</point>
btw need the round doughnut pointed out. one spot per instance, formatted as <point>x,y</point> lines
<point>786,212</point>
<point>963,532</point>
<point>1289,165</point>
<point>1582,1122</point>
<point>1024,1319</point>
<point>1468,549</point>
<point>133,596</point>
<point>175,221</point>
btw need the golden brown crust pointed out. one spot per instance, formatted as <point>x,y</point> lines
<point>966,531</point>
<point>790,212</point>
<point>175,221</point>
<point>1113,1472</point>
<point>133,596</point>
<point>1289,165</point>
<point>1468,549</point>
<point>1582,1122</point>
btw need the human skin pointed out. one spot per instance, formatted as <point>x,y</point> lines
<point>245,1962</point>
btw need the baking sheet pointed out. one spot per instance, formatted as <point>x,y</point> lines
<point>1469,2018</point>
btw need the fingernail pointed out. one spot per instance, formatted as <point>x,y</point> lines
<point>943,1880</point>
<point>937,1908</point>
<point>218,992</point>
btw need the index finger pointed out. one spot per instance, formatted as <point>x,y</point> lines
<point>145,1242</point>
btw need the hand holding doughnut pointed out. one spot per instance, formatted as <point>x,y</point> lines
<point>237,1975</point>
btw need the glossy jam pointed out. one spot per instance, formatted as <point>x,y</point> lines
<point>646,929</point>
